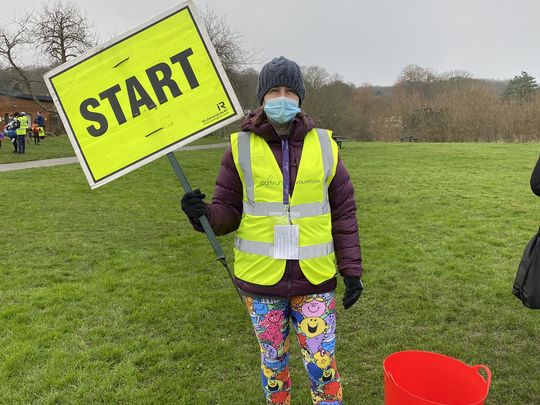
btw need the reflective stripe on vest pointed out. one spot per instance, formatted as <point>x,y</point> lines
<point>262,182</point>
<point>266,249</point>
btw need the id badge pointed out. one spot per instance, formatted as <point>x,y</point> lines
<point>286,241</point>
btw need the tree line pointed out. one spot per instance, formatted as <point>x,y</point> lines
<point>430,106</point>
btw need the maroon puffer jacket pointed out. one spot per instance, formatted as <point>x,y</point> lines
<point>225,211</point>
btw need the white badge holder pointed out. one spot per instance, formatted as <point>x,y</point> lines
<point>286,239</point>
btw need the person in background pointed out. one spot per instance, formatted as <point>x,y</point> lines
<point>35,132</point>
<point>21,130</point>
<point>284,189</point>
<point>10,130</point>
<point>535,179</point>
<point>41,133</point>
<point>40,121</point>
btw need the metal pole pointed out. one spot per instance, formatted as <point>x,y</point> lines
<point>204,221</point>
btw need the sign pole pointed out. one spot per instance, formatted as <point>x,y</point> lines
<point>203,220</point>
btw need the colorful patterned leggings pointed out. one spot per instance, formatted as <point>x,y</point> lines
<point>314,321</point>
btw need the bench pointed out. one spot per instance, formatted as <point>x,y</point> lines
<point>339,140</point>
<point>408,139</point>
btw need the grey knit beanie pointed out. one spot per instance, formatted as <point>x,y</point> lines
<point>280,72</point>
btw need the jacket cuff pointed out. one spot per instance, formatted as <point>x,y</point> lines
<point>355,272</point>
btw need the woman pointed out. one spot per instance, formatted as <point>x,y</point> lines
<point>285,191</point>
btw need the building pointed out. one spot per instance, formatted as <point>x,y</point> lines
<point>16,102</point>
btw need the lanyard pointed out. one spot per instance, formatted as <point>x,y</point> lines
<point>285,168</point>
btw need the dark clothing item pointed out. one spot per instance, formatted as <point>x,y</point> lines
<point>225,211</point>
<point>353,290</point>
<point>535,179</point>
<point>40,121</point>
<point>193,205</point>
<point>280,72</point>
<point>21,143</point>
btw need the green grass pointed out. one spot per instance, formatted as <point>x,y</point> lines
<point>60,146</point>
<point>108,296</point>
<point>49,148</point>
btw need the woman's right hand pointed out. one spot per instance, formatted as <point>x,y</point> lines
<point>193,205</point>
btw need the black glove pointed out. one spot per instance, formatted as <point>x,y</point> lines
<point>193,205</point>
<point>353,290</point>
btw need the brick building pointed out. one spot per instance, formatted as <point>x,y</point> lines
<point>10,103</point>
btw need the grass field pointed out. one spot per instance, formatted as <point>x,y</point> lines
<point>50,147</point>
<point>108,296</point>
<point>60,146</point>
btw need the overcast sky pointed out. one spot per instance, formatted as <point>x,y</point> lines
<point>362,41</point>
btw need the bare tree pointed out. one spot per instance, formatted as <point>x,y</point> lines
<point>416,80</point>
<point>13,38</point>
<point>316,77</point>
<point>226,41</point>
<point>61,30</point>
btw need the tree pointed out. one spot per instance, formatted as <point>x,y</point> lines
<point>61,30</point>
<point>328,101</point>
<point>521,88</point>
<point>416,79</point>
<point>13,37</point>
<point>245,82</point>
<point>315,77</point>
<point>226,41</point>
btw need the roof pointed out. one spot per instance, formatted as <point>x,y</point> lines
<point>26,96</point>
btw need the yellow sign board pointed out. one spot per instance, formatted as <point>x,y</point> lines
<point>142,95</point>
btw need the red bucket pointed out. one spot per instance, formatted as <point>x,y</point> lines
<point>424,378</point>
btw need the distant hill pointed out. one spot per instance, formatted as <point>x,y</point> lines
<point>498,87</point>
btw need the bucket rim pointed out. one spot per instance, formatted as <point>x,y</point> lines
<point>419,351</point>
<point>426,352</point>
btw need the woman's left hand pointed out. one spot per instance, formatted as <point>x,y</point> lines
<point>353,290</point>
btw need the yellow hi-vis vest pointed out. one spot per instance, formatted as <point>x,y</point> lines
<point>23,125</point>
<point>263,208</point>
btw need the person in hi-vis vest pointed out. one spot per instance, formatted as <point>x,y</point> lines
<point>284,189</point>
<point>21,131</point>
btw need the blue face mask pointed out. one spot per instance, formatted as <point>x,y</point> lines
<point>281,110</point>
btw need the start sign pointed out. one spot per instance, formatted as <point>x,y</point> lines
<point>142,95</point>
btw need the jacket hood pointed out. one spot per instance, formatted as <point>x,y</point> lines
<point>300,126</point>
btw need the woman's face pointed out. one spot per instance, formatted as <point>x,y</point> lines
<point>280,91</point>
